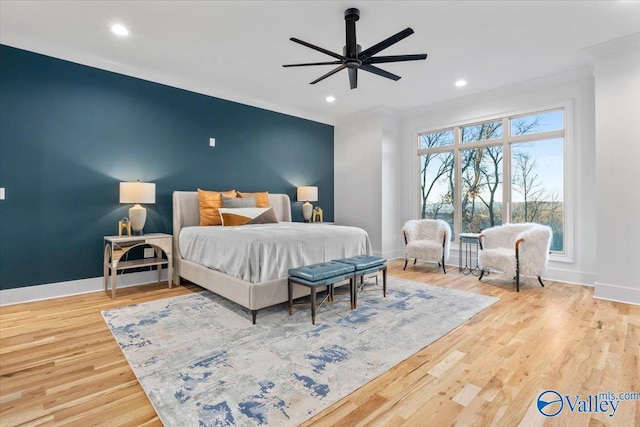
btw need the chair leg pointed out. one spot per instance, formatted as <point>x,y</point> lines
<point>405,264</point>
<point>443,268</point>
<point>540,280</point>
<point>517,269</point>
<point>415,260</point>
<point>481,274</point>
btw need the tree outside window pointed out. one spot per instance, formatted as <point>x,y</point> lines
<point>526,150</point>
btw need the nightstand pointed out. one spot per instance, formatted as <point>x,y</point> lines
<point>117,247</point>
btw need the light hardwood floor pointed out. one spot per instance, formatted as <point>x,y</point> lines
<point>59,364</point>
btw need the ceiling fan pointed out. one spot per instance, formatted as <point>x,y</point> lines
<point>353,58</point>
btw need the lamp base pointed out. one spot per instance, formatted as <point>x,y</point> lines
<point>137,218</point>
<point>307,208</point>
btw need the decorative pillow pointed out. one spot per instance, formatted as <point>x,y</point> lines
<point>243,216</point>
<point>209,203</point>
<point>262,198</point>
<point>237,202</point>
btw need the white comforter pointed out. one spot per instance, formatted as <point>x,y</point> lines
<point>261,252</point>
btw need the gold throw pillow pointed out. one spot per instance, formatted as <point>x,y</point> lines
<point>209,203</point>
<point>262,198</point>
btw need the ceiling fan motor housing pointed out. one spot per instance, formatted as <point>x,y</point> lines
<point>352,14</point>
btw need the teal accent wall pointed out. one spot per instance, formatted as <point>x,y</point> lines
<point>70,133</point>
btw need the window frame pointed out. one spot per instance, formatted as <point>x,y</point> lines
<point>506,141</point>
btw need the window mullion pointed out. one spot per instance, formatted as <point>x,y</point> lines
<point>506,172</point>
<point>538,136</point>
<point>457,179</point>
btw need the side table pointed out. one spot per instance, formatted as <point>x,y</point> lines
<point>468,254</point>
<point>117,247</point>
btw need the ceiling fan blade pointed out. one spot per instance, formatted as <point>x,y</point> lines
<point>313,63</point>
<point>368,53</point>
<point>353,77</point>
<point>330,73</point>
<point>319,49</point>
<point>379,71</point>
<point>395,58</point>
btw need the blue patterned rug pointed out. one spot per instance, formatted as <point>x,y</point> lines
<point>203,363</point>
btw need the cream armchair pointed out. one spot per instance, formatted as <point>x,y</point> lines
<point>426,240</point>
<point>515,249</point>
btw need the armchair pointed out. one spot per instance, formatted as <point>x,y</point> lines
<point>515,249</point>
<point>426,240</point>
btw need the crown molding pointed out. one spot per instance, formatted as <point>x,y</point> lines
<point>614,47</point>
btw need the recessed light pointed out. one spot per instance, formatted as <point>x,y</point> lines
<point>120,30</point>
<point>461,83</point>
<point>330,99</point>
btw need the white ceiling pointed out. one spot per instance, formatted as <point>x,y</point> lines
<point>234,49</point>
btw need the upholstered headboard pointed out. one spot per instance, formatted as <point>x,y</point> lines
<point>186,212</point>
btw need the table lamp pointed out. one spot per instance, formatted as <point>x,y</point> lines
<point>137,192</point>
<point>308,194</point>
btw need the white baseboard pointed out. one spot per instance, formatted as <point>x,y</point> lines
<point>617,293</point>
<point>75,287</point>
<point>389,255</point>
<point>551,273</point>
<point>570,276</point>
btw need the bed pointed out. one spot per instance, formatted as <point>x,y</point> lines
<point>250,267</point>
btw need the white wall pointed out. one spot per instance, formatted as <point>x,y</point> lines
<point>367,177</point>
<point>617,94</point>
<point>390,167</point>
<point>358,176</point>
<point>361,133</point>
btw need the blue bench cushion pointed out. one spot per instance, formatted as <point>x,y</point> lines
<point>321,271</point>
<point>363,262</point>
<point>322,282</point>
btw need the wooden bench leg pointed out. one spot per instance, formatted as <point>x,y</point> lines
<point>355,291</point>
<point>384,281</point>
<point>313,305</point>
<point>290,291</point>
<point>352,291</point>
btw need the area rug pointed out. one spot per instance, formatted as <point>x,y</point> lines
<point>203,363</point>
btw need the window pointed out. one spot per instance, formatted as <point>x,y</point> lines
<point>509,169</point>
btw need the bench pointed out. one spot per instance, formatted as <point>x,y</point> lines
<point>364,265</point>
<point>322,274</point>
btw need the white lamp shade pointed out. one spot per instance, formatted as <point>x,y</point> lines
<point>137,192</point>
<point>307,194</point>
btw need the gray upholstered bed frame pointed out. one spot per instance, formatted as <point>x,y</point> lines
<point>252,296</point>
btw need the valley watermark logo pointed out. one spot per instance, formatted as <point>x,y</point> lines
<point>551,403</point>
